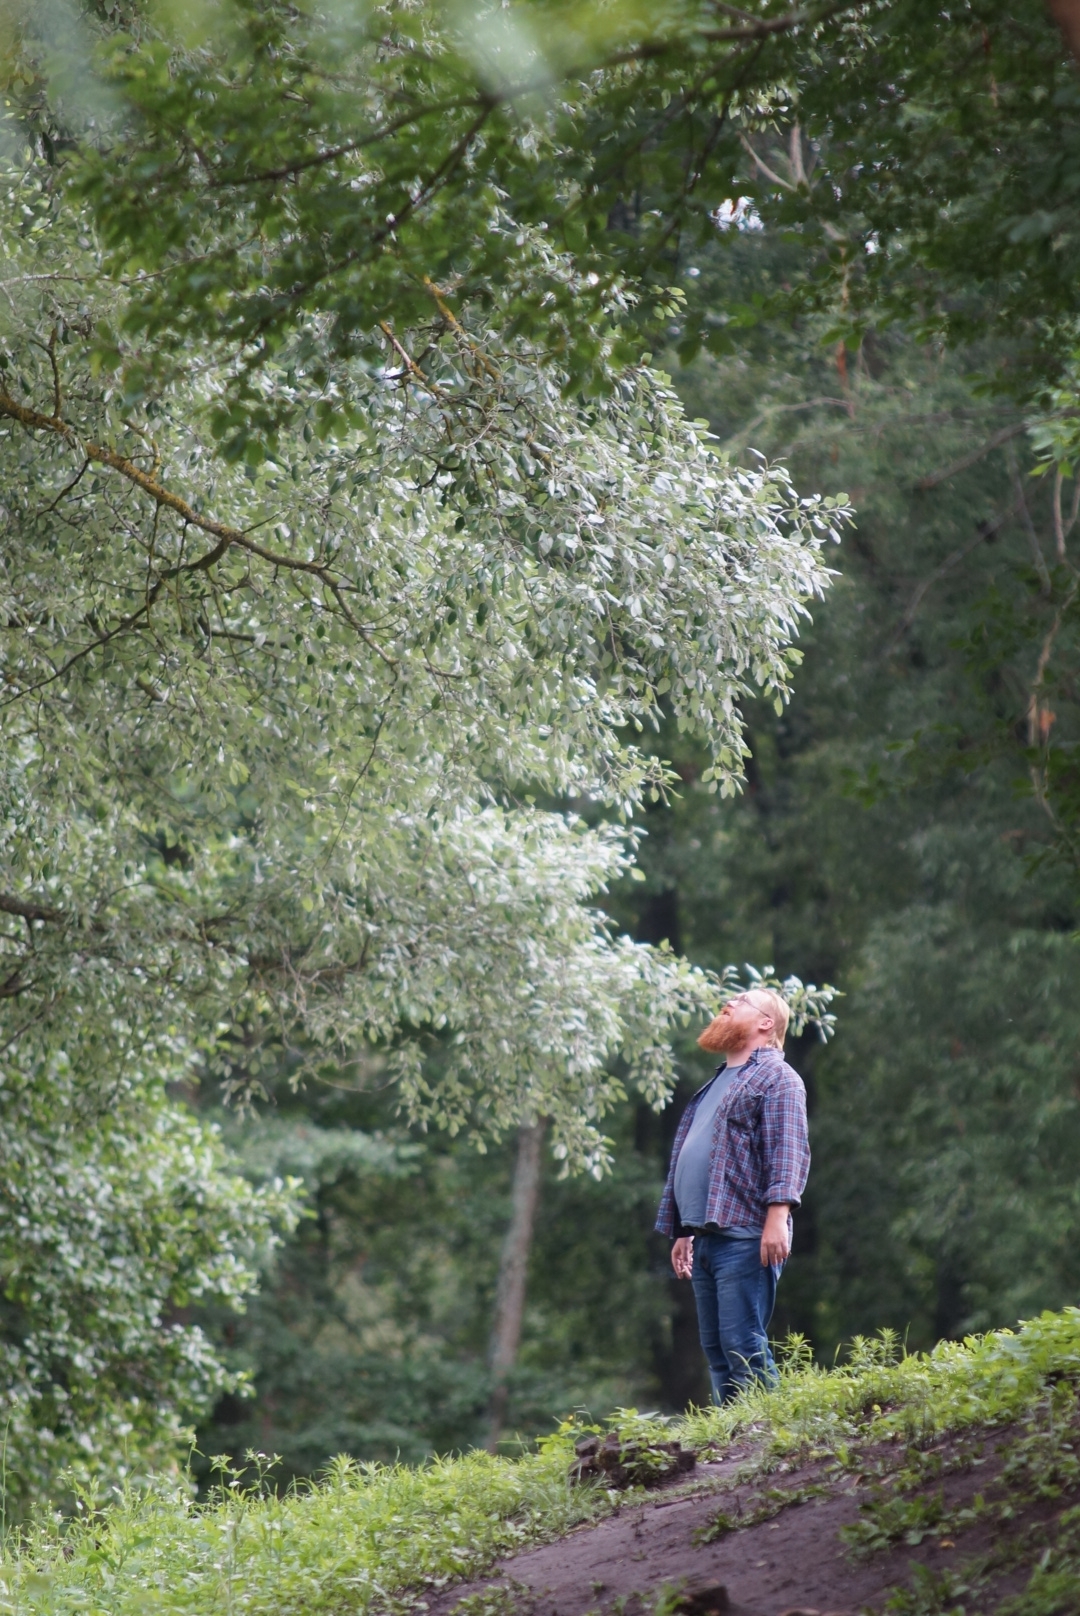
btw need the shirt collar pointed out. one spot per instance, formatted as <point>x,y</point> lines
<point>751,1060</point>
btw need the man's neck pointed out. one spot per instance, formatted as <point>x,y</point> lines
<point>739,1057</point>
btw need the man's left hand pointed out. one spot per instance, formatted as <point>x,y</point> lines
<point>775,1239</point>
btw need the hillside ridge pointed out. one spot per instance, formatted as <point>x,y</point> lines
<point>940,1484</point>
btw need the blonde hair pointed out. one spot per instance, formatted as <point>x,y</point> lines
<point>773,1005</point>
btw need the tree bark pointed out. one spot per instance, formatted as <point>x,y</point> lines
<point>1066,13</point>
<point>513,1269</point>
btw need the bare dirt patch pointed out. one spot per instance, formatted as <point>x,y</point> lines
<point>814,1540</point>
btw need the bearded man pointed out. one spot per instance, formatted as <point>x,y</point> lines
<point>739,1164</point>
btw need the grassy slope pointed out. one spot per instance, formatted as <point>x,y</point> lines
<point>367,1537</point>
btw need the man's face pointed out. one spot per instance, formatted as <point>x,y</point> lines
<point>737,1025</point>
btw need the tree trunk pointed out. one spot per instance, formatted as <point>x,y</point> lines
<point>1066,13</point>
<point>513,1267</point>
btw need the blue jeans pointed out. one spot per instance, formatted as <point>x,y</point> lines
<point>735,1296</point>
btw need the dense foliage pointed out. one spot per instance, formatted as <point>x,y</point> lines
<point>296,747</point>
<point>367,575</point>
<point>272,166</point>
<point>899,836</point>
<point>301,757</point>
<point>888,840</point>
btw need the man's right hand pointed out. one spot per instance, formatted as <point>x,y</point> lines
<point>682,1257</point>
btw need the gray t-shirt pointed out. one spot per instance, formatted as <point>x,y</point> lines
<point>692,1167</point>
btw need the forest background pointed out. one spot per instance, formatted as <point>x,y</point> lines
<point>906,826</point>
<point>945,1116</point>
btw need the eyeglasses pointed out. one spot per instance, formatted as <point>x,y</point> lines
<point>747,998</point>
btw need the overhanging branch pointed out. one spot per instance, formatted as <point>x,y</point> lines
<point>29,911</point>
<point>228,537</point>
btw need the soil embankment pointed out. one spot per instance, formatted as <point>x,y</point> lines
<point>963,1517</point>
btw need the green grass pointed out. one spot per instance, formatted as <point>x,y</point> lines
<point>372,1538</point>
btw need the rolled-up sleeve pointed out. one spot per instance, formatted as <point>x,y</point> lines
<point>784,1140</point>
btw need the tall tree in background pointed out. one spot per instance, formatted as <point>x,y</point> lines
<point>513,1270</point>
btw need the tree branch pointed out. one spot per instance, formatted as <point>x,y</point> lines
<point>769,173</point>
<point>409,362</point>
<point>227,537</point>
<point>763,27</point>
<point>1062,529</point>
<point>29,911</point>
<point>302,165</point>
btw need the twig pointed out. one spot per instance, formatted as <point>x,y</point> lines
<point>933,478</point>
<point>455,325</point>
<point>352,789</point>
<point>769,173</point>
<point>57,396</point>
<point>409,362</point>
<point>1029,527</point>
<point>1062,529</point>
<point>155,466</point>
<point>1036,734</point>
<point>67,489</point>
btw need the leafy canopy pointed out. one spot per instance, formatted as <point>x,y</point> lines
<point>274,774</point>
<point>254,168</point>
<point>315,652</point>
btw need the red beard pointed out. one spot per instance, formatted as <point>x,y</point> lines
<point>720,1038</point>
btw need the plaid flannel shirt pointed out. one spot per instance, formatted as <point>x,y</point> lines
<point>760,1151</point>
